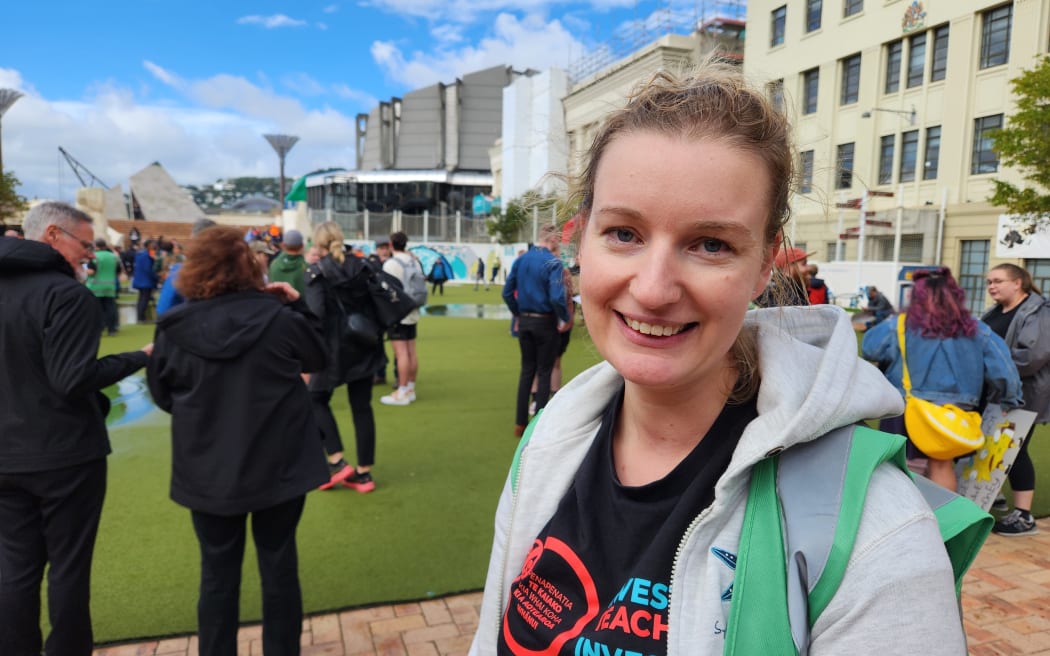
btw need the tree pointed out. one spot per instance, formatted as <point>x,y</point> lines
<point>507,227</point>
<point>1025,144</point>
<point>11,203</point>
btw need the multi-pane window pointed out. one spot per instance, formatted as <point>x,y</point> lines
<point>779,21</point>
<point>844,166</point>
<point>851,7</point>
<point>911,248</point>
<point>850,80</point>
<point>939,67</point>
<point>806,184</point>
<point>810,86</point>
<point>894,53</point>
<point>909,155</point>
<point>813,11</point>
<point>985,159</point>
<point>776,94</point>
<point>886,159</point>
<point>995,36</point>
<point>973,266</point>
<point>916,59</point>
<point>1040,270</point>
<point>933,153</point>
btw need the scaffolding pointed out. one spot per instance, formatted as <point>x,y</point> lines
<point>670,18</point>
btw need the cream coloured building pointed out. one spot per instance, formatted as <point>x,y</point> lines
<point>893,102</point>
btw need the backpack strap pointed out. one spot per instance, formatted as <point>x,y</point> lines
<point>516,462</point>
<point>800,524</point>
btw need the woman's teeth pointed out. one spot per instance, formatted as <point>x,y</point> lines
<point>652,329</point>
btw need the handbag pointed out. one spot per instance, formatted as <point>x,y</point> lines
<point>389,299</point>
<point>942,432</point>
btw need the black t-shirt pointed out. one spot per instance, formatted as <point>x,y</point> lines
<point>999,321</point>
<point>599,572</point>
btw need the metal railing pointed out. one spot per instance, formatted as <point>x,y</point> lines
<point>420,228</point>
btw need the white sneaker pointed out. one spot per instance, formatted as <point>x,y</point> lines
<point>411,395</point>
<point>397,398</point>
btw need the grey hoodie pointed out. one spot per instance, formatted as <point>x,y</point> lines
<point>897,594</point>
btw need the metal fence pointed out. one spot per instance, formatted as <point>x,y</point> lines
<point>421,228</point>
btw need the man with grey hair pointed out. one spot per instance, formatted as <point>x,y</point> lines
<point>168,297</point>
<point>53,440</point>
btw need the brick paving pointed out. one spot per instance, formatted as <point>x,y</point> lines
<point>1006,599</point>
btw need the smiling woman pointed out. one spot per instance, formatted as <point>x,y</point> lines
<point>639,472</point>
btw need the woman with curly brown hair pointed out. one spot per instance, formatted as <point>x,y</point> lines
<point>227,366</point>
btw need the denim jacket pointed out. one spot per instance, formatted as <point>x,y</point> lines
<point>953,370</point>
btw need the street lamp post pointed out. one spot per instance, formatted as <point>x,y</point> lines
<point>281,143</point>
<point>7,98</point>
<point>911,115</point>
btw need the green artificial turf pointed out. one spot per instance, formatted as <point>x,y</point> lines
<point>425,531</point>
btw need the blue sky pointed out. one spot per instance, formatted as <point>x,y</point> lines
<point>195,84</point>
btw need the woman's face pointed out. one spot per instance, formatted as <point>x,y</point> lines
<point>671,255</point>
<point>1003,290</point>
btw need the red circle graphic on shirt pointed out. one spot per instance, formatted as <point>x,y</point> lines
<point>559,548</point>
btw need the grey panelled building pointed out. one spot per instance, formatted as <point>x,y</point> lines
<point>413,152</point>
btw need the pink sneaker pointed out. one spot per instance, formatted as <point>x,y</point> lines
<point>360,481</point>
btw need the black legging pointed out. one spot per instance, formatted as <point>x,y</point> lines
<point>1022,474</point>
<point>359,392</point>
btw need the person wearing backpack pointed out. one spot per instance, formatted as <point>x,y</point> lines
<point>626,524</point>
<point>406,268</point>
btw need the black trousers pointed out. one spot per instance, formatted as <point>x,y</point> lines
<point>49,517</point>
<point>145,296</point>
<point>109,313</point>
<point>538,341</point>
<point>359,392</point>
<point>221,541</point>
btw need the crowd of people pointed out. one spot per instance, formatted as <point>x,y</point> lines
<point>645,470</point>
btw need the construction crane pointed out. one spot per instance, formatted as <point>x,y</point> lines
<point>79,169</point>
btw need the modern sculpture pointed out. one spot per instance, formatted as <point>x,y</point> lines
<point>7,98</point>
<point>281,143</point>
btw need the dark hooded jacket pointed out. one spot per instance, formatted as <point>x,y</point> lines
<point>333,291</point>
<point>243,432</point>
<point>52,412</point>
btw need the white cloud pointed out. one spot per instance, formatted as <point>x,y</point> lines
<point>271,22</point>
<point>214,131</point>
<point>466,10</point>
<point>331,9</point>
<point>528,42</point>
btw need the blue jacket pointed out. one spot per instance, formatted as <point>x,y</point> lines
<point>537,278</point>
<point>144,276</point>
<point>168,297</point>
<point>952,370</point>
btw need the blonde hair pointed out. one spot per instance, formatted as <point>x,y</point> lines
<point>328,236</point>
<point>715,102</point>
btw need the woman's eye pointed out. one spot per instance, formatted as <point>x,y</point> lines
<point>622,234</point>
<point>713,245</point>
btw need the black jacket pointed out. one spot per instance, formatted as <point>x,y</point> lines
<point>242,429</point>
<point>325,280</point>
<point>52,412</point>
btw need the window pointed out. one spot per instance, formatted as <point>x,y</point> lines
<point>806,184</point>
<point>776,94</point>
<point>852,7</point>
<point>1040,270</point>
<point>933,153</point>
<point>909,156</point>
<point>844,166</point>
<point>777,28</point>
<point>985,159</point>
<point>940,54</point>
<point>886,159</point>
<point>813,11</point>
<point>916,59</point>
<point>850,80</point>
<point>831,251</point>
<point>894,53</point>
<point>973,266</point>
<point>911,248</point>
<point>810,86</point>
<point>995,36</point>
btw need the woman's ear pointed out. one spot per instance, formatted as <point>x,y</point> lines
<point>768,256</point>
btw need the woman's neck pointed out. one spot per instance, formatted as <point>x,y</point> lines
<point>1007,307</point>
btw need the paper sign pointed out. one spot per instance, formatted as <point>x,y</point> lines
<point>982,473</point>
